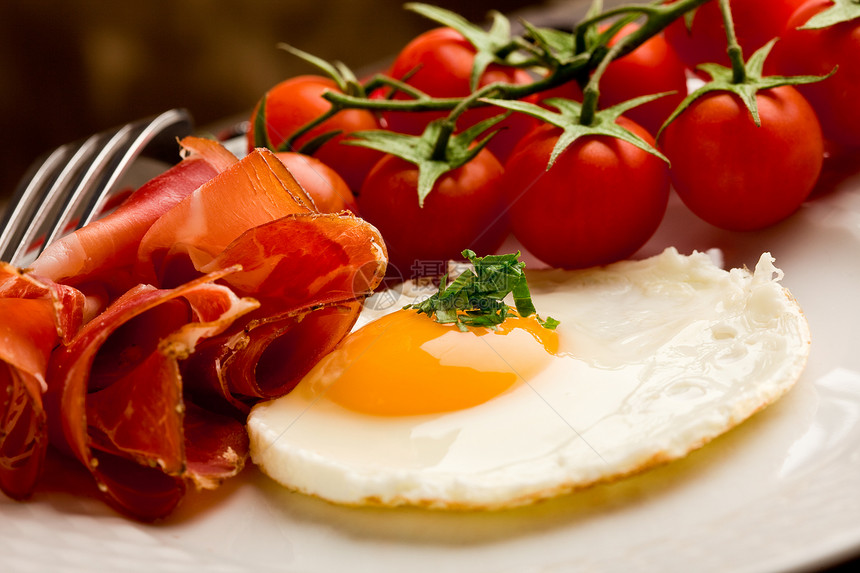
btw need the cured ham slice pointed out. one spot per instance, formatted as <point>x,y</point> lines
<point>105,250</point>
<point>306,268</point>
<point>257,190</point>
<point>305,259</point>
<point>34,316</point>
<point>266,358</point>
<point>309,271</point>
<point>115,398</point>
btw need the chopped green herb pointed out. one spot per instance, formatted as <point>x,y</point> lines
<point>476,298</point>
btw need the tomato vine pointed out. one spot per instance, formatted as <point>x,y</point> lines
<point>555,56</point>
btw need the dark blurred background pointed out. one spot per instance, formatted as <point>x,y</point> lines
<point>71,68</point>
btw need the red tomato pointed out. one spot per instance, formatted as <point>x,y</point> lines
<point>756,23</point>
<point>439,63</point>
<point>817,52</point>
<point>294,102</point>
<point>735,175</point>
<point>601,200</point>
<point>653,67</point>
<point>329,191</point>
<point>464,211</point>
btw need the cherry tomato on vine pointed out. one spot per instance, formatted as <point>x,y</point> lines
<point>439,63</point>
<point>297,101</point>
<point>735,175</point>
<point>836,99</point>
<point>756,22</point>
<point>464,210</point>
<point>329,191</point>
<point>601,200</point>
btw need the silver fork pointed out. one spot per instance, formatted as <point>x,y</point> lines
<point>70,186</point>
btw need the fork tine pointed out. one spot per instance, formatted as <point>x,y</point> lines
<point>49,195</point>
<point>28,196</point>
<point>143,137</point>
<point>95,184</point>
<point>48,219</point>
<point>76,179</point>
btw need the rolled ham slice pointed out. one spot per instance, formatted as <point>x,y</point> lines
<point>256,190</point>
<point>35,315</point>
<point>115,398</point>
<point>307,269</point>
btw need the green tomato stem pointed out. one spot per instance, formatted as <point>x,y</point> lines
<point>448,126</point>
<point>508,49</point>
<point>381,80</point>
<point>657,17</point>
<point>736,57</point>
<point>418,104</point>
<point>440,147</point>
<point>591,93</point>
<point>289,143</point>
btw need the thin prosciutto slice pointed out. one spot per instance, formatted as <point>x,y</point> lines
<point>310,271</point>
<point>307,269</point>
<point>35,316</point>
<point>305,259</point>
<point>256,190</point>
<point>105,251</point>
<point>115,397</point>
<point>267,357</point>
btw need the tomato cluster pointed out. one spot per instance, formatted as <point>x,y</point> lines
<point>820,51</point>
<point>756,22</point>
<point>740,176</point>
<point>602,196</point>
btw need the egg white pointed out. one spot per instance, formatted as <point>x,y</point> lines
<point>657,357</point>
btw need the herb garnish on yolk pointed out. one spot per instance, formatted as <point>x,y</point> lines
<point>476,298</point>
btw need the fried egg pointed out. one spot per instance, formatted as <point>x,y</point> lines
<point>651,360</point>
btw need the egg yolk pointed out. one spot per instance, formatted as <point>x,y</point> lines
<point>408,364</point>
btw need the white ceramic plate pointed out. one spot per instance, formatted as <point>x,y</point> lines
<point>781,492</point>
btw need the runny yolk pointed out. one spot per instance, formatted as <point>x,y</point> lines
<point>407,364</point>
